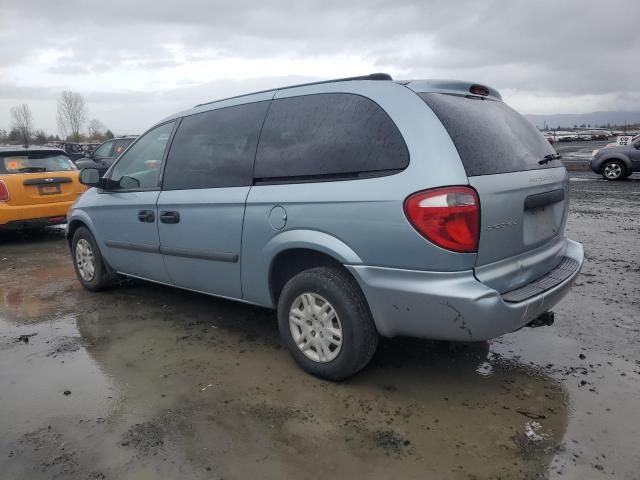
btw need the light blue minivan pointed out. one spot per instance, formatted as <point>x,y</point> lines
<point>356,207</point>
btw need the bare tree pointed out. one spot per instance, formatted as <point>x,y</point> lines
<point>22,120</point>
<point>96,129</point>
<point>72,114</point>
<point>39,137</point>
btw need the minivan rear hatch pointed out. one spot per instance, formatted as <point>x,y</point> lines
<point>521,183</point>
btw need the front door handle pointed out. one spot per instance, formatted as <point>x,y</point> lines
<point>146,216</point>
<point>169,217</point>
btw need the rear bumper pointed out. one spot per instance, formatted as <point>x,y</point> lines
<point>451,305</point>
<point>26,216</point>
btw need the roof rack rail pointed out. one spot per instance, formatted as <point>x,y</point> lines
<point>371,76</point>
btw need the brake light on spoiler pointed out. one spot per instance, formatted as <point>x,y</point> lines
<point>479,90</point>
<point>448,217</point>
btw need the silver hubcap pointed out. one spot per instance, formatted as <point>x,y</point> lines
<point>84,260</point>
<point>315,327</point>
<point>613,170</point>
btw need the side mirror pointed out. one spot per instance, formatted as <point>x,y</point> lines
<point>637,146</point>
<point>90,177</point>
<point>88,154</point>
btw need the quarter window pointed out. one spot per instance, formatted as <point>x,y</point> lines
<point>330,134</point>
<point>141,163</point>
<point>215,148</point>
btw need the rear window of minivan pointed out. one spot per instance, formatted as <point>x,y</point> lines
<point>490,136</point>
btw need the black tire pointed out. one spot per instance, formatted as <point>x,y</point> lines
<point>613,170</point>
<point>102,276</point>
<point>359,334</point>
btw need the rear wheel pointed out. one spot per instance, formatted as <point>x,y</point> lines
<point>325,323</point>
<point>87,260</point>
<point>614,170</point>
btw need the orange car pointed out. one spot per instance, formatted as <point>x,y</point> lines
<point>37,186</point>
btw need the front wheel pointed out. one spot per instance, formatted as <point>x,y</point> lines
<point>613,170</point>
<point>88,262</point>
<point>325,323</point>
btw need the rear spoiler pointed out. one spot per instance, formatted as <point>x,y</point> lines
<point>454,87</point>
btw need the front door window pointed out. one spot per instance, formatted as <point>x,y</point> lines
<point>139,167</point>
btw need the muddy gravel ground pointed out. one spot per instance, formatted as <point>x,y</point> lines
<point>148,382</point>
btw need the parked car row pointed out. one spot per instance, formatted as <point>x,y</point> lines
<point>103,157</point>
<point>73,150</point>
<point>554,137</point>
<point>108,151</point>
<point>38,184</point>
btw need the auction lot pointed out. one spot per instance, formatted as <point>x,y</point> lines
<point>145,381</point>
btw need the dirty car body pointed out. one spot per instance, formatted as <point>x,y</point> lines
<point>443,205</point>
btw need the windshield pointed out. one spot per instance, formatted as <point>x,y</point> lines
<point>34,162</point>
<point>490,136</point>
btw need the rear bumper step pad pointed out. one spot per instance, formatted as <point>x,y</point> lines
<point>564,270</point>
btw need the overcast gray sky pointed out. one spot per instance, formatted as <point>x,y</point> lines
<point>137,61</point>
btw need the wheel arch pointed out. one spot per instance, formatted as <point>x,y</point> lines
<point>615,156</point>
<point>81,219</point>
<point>72,227</point>
<point>293,251</point>
<point>288,263</point>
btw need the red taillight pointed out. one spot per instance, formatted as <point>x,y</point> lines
<point>448,217</point>
<point>4,192</point>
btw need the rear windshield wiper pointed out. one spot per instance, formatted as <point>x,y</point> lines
<point>32,169</point>
<point>549,158</point>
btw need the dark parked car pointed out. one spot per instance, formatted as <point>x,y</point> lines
<point>104,156</point>
<point>73,150</point>
<point>89,147</point>
<point>615,162</point>
<point>599,136</point>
